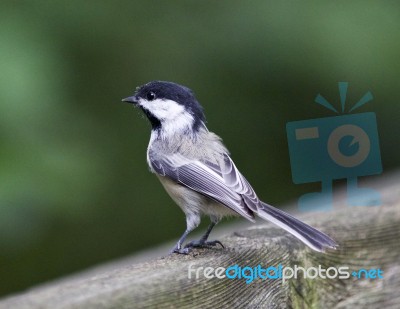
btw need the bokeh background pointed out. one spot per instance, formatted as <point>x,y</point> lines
<point>75,190</point>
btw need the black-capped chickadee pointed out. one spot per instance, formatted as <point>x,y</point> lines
<point>196,170</point>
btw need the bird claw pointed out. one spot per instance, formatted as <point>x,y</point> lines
<point>184,251</point>
<point>195,244</point>
<point>203,244</point>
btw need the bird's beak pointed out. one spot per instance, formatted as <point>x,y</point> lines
<point>132,99</point>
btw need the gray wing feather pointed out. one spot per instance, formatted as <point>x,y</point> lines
<point>223,184</point>
<point>226,185</point>
<point>235,180</point>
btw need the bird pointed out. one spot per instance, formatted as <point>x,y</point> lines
<point>197,171</point>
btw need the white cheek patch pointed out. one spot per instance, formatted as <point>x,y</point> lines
<point>173,116</point>
<point>163,109</point>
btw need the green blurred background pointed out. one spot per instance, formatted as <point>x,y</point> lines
<point>74,186</point>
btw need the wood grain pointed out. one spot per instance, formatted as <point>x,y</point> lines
<point>368,238</point>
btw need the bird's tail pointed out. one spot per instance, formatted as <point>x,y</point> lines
<point>310,236</point>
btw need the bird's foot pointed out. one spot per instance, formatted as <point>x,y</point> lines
<point>184,251</point>
<point>203,244</point>
<point>179,250</point>
<point>196,244</point>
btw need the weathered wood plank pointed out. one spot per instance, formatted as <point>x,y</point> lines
<point>369,237</point>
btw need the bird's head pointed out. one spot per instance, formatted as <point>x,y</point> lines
<point>169,106</point>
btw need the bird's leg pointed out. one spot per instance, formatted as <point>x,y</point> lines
<point>202,242</point>
<point>192,221</point>
<point>178,247</point>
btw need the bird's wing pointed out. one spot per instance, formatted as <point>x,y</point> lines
<point>220,182</point>
<point>236,181</point>
<point>226,185</point>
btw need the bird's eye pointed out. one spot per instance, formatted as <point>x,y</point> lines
<point>151,96</point>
